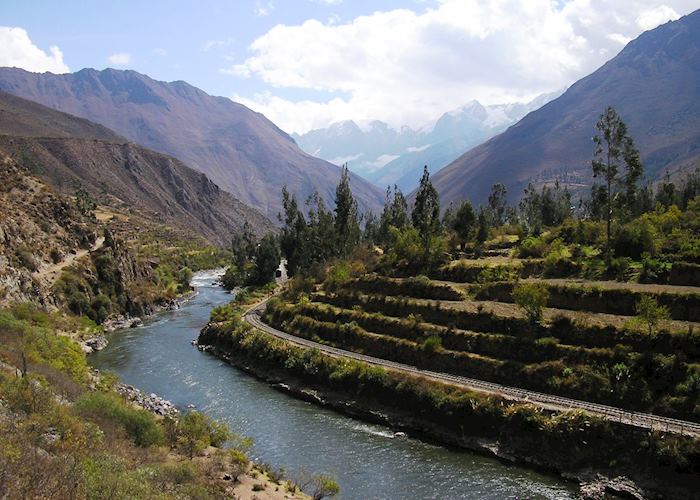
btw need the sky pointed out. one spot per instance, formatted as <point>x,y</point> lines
<point>308,63</point>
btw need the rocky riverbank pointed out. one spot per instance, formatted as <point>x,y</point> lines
<point>121,321</point>
<point>151,402</point>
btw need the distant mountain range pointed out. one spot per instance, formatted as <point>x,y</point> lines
<point>240,150</point>
<point>386,156</point>
<point>69,153</point>
<point>654,83</point>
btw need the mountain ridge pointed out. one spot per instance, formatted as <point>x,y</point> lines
<point>654,83</point>
<point>385,155</point>
<point>239,149</point>
<point>117,172</point>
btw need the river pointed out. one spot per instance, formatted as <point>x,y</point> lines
<point>368,461</point>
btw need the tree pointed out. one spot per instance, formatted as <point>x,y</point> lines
<point>293,238</point>
<point>347,226</point>
<point>320,485</point>
<point>614,150</point>
<point>196,431</point>
<point>243,246</point>
<point>184,276</point>
<point>463,223</point>
<point>324,486</point>
<point>650,312</point>
<point>666,193</point>
<point>548,207</point>
<point>84,202</point>
<point>370,235</point>
<point>497,204</point>
<point>322,241</point>
<point>193,433</point>
<point>531,298</point>
<point>395,214</point>
<point>266,261</point>
<point>426,213</point>
<point>482,233</point>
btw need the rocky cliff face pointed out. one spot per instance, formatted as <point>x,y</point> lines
<point>38,228</point>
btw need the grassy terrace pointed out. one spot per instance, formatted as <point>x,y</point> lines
<point>476,330</point>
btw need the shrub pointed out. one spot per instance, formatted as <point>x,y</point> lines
<point>197,431</point>
<point>619,268</point>
<point>432,343</point>
<point>650,312</point>
<point>25,257</point>
<point>531,298</point>
<point>653,271</point>
<point>139,424</point>
<point>533,247</point>
<point>56,255</point>
<point>635,238</point>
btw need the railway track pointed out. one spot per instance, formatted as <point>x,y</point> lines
<point>645,420</point>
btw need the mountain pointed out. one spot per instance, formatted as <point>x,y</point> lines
<point>654,83</point>
<point>240,150</point>
<point>69,153</point>
<point>386,156</point>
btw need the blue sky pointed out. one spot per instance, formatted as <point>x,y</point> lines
<point>167,39</point>
<point>307,63</point>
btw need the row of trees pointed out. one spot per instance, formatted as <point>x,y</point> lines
<point>312,234</point>
<point>254,262</point>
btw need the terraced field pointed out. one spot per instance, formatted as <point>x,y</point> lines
<point>589,347</point>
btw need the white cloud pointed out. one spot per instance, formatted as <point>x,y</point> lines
<point>329,2</point>
<point>160,51</point>
<point>215,44</point>
<point>650,19</point>
<point>119,59</point>
<point>263,9</point>
<point>17,50</point>
<point>407,67</point>
<point>621,39</point>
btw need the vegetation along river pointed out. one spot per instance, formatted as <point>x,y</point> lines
<point>368,461</point>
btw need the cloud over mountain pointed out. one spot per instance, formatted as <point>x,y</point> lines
<point>404,66</point>
<point>17,50</point>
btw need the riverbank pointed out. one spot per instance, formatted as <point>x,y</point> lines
<point>597,454</point>
<point>368,461</point>
<point>96,343</point>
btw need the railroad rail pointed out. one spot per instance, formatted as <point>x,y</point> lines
<point>645,420</point>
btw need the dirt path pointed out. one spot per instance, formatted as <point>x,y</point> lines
<point>51,273</point>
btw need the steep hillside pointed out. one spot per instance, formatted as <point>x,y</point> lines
<point>654,83</point>
<point>68,152</point>
<point>38,228</point>
<point>239,149</point>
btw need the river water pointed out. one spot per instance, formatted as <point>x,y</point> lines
<point>367,460</point>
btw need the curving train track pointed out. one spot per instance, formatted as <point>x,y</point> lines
<point>549,401</point>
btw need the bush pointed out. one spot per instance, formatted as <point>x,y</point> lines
<point>432,343</point>
<point>531,298</point>
<point>653,271</point>
<point>533,247</point>
<point>650,312</point>
<point>196,431</point>
<point>56,255</point>
<point>139,424</point>
<point>619,268</point>
<point>634,239</point>
<point>25,258</point>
